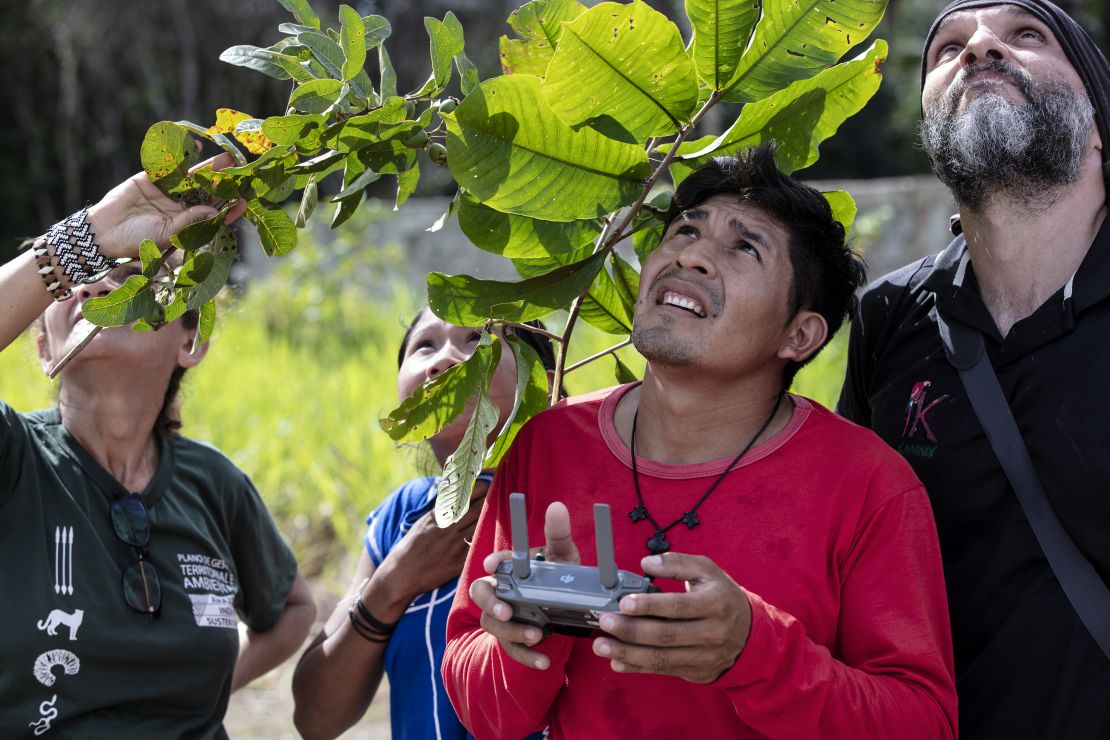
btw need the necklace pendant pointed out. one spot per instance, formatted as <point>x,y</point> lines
<point>637,514</point>
<point>690,519</point>
<point>657,545</point>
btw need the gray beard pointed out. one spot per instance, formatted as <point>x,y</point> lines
<point>997,147</point>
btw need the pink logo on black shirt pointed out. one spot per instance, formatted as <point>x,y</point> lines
<point>917,411</point>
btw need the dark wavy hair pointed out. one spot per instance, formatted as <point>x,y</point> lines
<point>827,273</point>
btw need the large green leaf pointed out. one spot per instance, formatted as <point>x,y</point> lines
<point>798,118</point>
<point>389,75</point>
<point>166,154</point>
<point>622,372</point>
<point>599,73</point>
<point>507,147</point>
<point>288,130</point>
<point>215,274</point>
<point>446,41</point>
<point>275,229</point>
<point>463,300</point>
<point>130,301</point>
<point>603,307</point>
<point>530,267</point>
<point>456,483</point>
<point>206,323</point>
<point>515,236</point>
<point>539,24</point>
<point>468,73</point>
<point>316,96</point>
<point>796,39</point>
<point>352,41</point>
<point>439,401</point>
<point>721,31</point>
<point>531,397</point>
<point>326,51</point>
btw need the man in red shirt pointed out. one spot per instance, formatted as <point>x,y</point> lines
<point>802,593</point>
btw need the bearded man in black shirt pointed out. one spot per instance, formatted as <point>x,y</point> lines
<point>1016,108</point>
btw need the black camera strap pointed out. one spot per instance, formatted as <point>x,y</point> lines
<point>1085,589</point>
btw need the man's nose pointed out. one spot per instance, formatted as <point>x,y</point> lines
<point>697,257</point>
<point>983,47</point>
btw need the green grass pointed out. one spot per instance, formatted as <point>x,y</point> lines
<point>297,376</point>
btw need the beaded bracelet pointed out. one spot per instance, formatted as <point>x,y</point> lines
<point>67,255</point>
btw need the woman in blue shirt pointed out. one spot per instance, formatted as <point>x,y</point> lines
<point>406,575</point>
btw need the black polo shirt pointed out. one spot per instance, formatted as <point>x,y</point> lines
<point>1026,666</point>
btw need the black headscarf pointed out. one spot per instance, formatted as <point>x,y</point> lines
<point>1086,58</point>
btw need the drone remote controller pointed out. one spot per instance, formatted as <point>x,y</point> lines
<point>561,598</point>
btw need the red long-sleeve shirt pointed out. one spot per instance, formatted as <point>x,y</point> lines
<point>827,530</point>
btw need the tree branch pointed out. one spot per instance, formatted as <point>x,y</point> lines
<point>599,355</point>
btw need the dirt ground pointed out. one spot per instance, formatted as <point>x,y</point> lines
<point>264,710</point>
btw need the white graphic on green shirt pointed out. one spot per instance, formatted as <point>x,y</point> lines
<point>45,664</point>
<point>63,560</point>
<point>48,712</point>
<point>59,617</point>
<point>212,588</point>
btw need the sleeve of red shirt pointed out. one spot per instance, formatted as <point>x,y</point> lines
<point>894,673</point>
<point>495,696</point>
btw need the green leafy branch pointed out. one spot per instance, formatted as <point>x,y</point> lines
<point>556,160</point>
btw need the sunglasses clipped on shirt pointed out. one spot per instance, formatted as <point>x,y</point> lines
<point>141,588</point>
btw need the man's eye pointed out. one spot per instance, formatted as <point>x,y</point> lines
<point>423,344</point>
<point>686,231</point>
<point>947,50</point>
<point>1030,34</point>
<point>475,337</point>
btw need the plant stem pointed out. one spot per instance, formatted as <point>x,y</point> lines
<point>561,358</point>
<point>682,134</point>
<point>599,355</point>
<point>535,330</point>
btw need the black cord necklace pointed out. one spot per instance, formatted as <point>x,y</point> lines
<point>657,544</point>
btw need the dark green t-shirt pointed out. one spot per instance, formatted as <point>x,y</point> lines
<point>77,661</point>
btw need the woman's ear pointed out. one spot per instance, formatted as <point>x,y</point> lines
<point>805,335</point>
<point>187,356</point>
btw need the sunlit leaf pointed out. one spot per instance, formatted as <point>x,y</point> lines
<point>796,40</point>
<point>288,130</point>
<point>352,41</point>
<point>222,255</point>
<point>439,401</point>
<point>326,51</point>
<point>531,397</point>
<point>599,74</point>
<point>507,147</point>
<point>463,300</point>
<point>721,31</point>
<point>377,30</point>
<point>316,96</point>
<point>843,207</point>
<point>456,483</point>
<point>622,372</point>
<point>260,60</point>
<point>276,231</point>
<point>515,236</point>
<point>446,41</point>
<point>167,153</point>
<point>406,184</point>
<point>130,301</point>
<point>302,11</point>
<point>206,324</point>
<point>389,76</point>
<point>603,307</point>
<point>539,24</point>
<point>150,257</point>
<point>308,203</point>
<point>798,118</point>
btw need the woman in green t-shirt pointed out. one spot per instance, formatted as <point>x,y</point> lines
<point>132,555</point>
